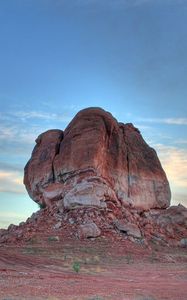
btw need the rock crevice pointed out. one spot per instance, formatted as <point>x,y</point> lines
<point>127,159</point>
<point>57,151</point>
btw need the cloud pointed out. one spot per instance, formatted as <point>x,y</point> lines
<point>10,217</point>
<point>24,115</point>
<point>176,121</point>
<point>11,214</point>
<point>11,182</point>
<point>179,198</point>
<point>180,141</point>
<point>174,162</point>
<point>142,127</point>
<point>7,132</point>
<point>19,129</point>
<point>17,140</point>
<point>4,166</point>
<point>170,121</point>
<point>18,132</point>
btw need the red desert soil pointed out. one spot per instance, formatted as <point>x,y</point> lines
<point>108,268</point>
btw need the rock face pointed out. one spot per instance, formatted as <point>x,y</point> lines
<point>96,162</point>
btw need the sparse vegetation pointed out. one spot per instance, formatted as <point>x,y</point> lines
<point>33,250</point>
<point>53,239</point>
<point>76,266</point>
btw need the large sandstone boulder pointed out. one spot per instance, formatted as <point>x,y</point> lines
<point>96,162</point>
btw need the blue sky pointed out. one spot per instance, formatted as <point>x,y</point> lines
<point>59,56</point>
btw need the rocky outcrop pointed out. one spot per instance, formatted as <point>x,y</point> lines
<point>96,162</point>
<point>98,178</point>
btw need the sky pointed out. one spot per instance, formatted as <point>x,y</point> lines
<point>59,56</point>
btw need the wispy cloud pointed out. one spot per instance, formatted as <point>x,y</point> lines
<point>174,161</point>
<point>7,132</point>
<point>11,182</point>
<point>24,115</point>
<point>142,127</point>
<point>17,134</point>
<point>24,126</point>
<point>10,217</point>
<point>180,141</point>
<point>20,129</point>
<point>4,166</point>
<point>10,214</point>
<point>169,121</point>
<point>179,198</point>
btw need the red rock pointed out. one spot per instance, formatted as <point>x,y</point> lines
<point>96,161</point>
<point>128,228</point>
<point>89,230</point>
<point>39,172</point>
<point>173,216</point>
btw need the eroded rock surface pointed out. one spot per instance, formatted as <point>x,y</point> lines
<point>96,162</point>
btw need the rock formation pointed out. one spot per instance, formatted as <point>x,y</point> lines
<point>96,162</point>
<point>98,178</point>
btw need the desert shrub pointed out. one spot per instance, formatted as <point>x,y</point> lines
<point>53,239</point>
<point>76,266</point>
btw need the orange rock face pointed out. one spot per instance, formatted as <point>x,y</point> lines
<point>96,162</point>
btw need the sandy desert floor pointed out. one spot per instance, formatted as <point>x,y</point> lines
<point>106,269</point>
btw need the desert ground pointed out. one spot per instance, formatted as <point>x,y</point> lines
<point>106,268</point>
